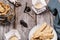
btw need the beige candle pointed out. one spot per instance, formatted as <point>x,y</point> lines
<point>38,5</point>
<point>13,38</point>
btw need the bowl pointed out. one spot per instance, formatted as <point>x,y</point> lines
<point>38,26</point>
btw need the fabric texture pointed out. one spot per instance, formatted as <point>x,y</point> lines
<point>54,7</point>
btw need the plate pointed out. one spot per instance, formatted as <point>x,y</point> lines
<point>36,27</point>
<point>12,33</point>
<point>40,10</point>
<point>42,2</point>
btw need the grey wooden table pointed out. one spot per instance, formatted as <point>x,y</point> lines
<point>37,19</point>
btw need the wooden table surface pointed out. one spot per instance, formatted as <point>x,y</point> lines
<point>37,19</point>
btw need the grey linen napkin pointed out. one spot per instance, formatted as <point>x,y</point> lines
<point>54,7</point>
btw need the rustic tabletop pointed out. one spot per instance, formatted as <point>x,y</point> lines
<point>31,21</point>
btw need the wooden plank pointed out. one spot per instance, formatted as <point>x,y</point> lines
<point>45,17</point>
<point>1,32</point>
<point>24,32</point>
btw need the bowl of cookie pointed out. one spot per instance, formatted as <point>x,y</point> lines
<point>43,32</point>
<point>6,13</point>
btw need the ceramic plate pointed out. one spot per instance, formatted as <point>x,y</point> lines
<point>36,27</point>
<point>12,33</point>
<point>42,2</point>
<point>43,6</point>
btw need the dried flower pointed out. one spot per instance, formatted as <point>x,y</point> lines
<point>23,23</point>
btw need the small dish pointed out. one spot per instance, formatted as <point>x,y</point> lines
<point>39,9</point>
<point>12,33</point>
<point>42,1</point>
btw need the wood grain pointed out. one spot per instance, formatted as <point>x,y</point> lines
<point>31,21</point>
